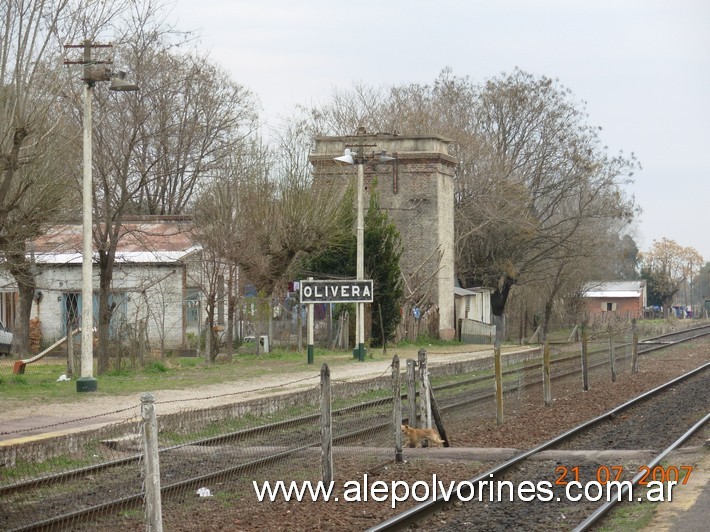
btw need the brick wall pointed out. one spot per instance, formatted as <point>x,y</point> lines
<point>632,306</point>
<point>416,190</point>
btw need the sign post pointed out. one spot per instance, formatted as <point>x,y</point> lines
<point>310,330</point>
<point>349,291</point>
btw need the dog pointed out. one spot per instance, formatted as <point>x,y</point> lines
<point>414,436</point>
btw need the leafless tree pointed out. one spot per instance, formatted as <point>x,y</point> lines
<point>36,140</point>
<point>152,149</point>
<point>669,266</point>
<point>532,172</point>
<point>265,215</point>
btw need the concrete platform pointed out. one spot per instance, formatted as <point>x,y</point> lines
<point>690,509</point>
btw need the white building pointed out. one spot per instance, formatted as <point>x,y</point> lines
<point>154,286</point>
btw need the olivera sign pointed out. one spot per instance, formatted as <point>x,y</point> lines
<point>336,291</point>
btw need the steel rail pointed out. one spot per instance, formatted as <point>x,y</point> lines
<point>419,511</point>
<point>245,433</point>
<point>135,499</point>
<point>607,506</point>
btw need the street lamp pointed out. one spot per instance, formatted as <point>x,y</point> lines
<point>358,159</point>
<point>92,74</point>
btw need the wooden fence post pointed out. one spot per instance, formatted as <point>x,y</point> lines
<point>612,354</point>
<point>396,409</point>
<point>326,426</point>
<point>634,347</point>
<point>498,382</point>
<point>412,392</point>
<point>585,361</point>
<point>424,397</point>
<point>546,388</point>
<point>153,505</point>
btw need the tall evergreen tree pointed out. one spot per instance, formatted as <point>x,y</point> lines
<point>383,249</point>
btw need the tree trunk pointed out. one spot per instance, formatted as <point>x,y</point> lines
<point>231,304</point>
<point>498,300</point>
<point>106,261</point>
<point>210,343</point>
<point>26,284</point>
<point>546,320</point>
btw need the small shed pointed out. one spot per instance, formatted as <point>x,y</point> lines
<point>625,299</point>
<point>473,304</point>
<point>473,315</point>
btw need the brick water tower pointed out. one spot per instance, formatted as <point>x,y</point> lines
<point>416,190</point>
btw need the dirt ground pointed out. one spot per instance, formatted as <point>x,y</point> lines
<point>527,423</point>
<point>19,420</point>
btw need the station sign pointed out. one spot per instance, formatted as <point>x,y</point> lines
<point>336,291</point>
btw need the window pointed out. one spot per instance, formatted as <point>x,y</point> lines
<point>192,307</point>
<point>608,306</point>
<point>72,310</point>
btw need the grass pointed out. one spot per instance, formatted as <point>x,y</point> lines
<point>632,516</point>
<point>39,382</point>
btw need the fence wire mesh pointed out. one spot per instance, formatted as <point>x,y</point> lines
<point>215,458</point>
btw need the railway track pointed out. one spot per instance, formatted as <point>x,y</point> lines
<point>540,465</point>
<point>113,475</point>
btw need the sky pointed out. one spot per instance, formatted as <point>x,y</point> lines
<point>641,68</point>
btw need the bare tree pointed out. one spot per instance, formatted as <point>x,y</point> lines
<point>266,216</point>
<point>152,149</point>
<point>667,266</point>
<point>36,148</point>
<point>220,216</point>
<point>531,171</point>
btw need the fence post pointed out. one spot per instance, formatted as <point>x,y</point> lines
<point>634,347</point>
<point>424,399</point>
<point>585,361</point>
<point>498,382</point>
<point>396,409</point>
<point>546,388</point>
<point>412,392</point>
<point>612,353</point>
<point>153,505</point>
<point>309,348</point>
<point>326,426</point>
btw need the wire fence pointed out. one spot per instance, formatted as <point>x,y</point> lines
<point>105,478</point>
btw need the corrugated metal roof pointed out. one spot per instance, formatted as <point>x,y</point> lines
<point>611,289</point>
<point>614,293</point>
<point>140,242</point>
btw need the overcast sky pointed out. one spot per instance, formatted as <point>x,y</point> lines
<point>641,66</point>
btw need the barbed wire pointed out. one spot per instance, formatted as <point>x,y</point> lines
<point>192,399</point>
<point>240,392</point>
<point>75,420</point>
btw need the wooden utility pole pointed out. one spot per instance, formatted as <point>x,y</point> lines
<point>634,347</point>
<point>153,505</point>
<point>585,361</point>
<point>612,354</point>
<point>424,397</point>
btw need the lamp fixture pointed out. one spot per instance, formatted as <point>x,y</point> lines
<point>347,157</point>
<point>119,83</point>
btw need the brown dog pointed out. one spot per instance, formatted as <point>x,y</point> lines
<point>416,435</point>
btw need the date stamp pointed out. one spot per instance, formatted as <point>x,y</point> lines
<point>615,473</point>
